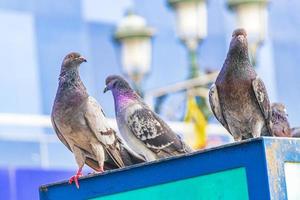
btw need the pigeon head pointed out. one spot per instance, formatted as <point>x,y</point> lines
<point>73,60</point>
<point>279,108</point>
<point>117,83</point>
<point>239,45</point>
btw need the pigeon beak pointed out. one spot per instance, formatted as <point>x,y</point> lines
<point>82,59</point>
<point>105,89</point>
<point>241,38</point>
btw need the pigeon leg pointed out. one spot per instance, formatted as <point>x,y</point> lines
<point>257,129</point>
<point>80,159</point>
<point>238,138</point>
<point>235,133</point>
<point>100,169</point>
<point>75,177</point>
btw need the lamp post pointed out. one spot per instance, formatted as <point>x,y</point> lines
<point>136,47</point>
<point>252,15</point>
<point>191,19</point>
<point>191,28</point>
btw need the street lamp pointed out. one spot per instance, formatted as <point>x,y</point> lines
<point>136,48</point>
<point>191,28</point>
<point>191,19</point>
<point>252,15</point>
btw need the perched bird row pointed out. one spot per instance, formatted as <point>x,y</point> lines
<point>239,99</point>
<point>81,125</point>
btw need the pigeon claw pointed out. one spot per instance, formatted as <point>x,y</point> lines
<point>75,179</point>
<point>100,170</point>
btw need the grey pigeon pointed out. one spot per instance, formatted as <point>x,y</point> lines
<point>238,98</point>
<point>295,132</point>
<point>280,124</point>
<point>141,128</point>
<point>80,124</point>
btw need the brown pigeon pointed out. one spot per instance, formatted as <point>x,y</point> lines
<point>238,98</point>
<point>81,125</point>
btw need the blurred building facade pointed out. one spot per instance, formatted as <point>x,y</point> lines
<point>35,36</point>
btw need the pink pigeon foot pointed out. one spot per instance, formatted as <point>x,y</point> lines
<point>100,170</point>
<point>75,178</point>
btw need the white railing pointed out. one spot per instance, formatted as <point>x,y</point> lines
<point>182,86</point>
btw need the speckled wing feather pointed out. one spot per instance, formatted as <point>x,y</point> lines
<point>104,133</point>
<point>215,106</point>
<point>155,133</point>
<point>89,161</point>
<point>262,98</point>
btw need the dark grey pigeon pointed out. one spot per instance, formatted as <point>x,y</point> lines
<point>238,98</point>
<point>280,124</point>
<point>81,125</point>
<point>142,129</point>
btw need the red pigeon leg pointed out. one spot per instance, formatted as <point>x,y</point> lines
<point>75,177</point>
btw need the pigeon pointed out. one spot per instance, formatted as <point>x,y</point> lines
<point>238,98</point>
<point>143,130</point>
<point>295,132</point>
<point>82,127</point>
<point>280,125</point>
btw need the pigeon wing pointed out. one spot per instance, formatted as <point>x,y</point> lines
<point>262,98</point>
<point>155,133</point>
<point>98,125</point>
<point>215,106</point>
<point>89,161</point>
<point>59,135</point>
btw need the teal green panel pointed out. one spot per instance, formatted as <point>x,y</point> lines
<point>225,185</point>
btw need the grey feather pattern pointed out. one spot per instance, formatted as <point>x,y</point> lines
<point>215,106</point>
<point>155,133</point>
<point>262,98</point>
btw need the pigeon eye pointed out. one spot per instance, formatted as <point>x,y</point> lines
<point>115,83</point>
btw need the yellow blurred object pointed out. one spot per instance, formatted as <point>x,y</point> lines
<point>194,115</point>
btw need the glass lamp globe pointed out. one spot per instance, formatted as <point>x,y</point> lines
<point>252,15</point>
<point>136,47</point>
<point>191,19</point>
